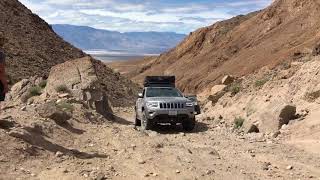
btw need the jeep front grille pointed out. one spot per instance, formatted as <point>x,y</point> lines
<point>171,105</point>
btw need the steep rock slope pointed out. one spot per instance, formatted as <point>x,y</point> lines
<point>32,47</point>
<point>240,45</point>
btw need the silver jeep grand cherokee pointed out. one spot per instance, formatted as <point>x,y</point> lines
<point>161,102</point>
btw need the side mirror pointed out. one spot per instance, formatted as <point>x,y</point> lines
<point>140,95</point>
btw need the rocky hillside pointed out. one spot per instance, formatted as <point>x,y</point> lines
<point>32,47</point>
<point>285,30</point>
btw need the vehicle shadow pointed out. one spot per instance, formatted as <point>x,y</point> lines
<point>120,120</point>
<point>176,129</point>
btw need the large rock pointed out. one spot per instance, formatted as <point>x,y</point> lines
<point>216,93</point>
<point>20,91</point>
<point>272,118</point>
<point>79,78</point>
<point>226,80</point>
<point>51,111</point>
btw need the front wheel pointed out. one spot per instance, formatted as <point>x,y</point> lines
<point>137,122</point>
<point>189,124</point>
<point>146,124</point>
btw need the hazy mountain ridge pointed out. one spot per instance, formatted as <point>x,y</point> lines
<point>88,38</point>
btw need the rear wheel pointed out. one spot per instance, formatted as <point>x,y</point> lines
<point>146,124</point>
<point>189,124</point>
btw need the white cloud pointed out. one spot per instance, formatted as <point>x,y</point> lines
<point>141,15</point>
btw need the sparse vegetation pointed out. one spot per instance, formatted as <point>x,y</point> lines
<point>65,106</point>
<point>238,122</point>
<point>62,88</point>
<point>43,84</point>
<point>261,82</point>
<point>235,88</point>
<point>35,91</point>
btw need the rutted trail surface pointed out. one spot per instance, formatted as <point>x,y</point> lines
<point>118,151</point>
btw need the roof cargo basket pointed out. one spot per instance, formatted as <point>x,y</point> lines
<point>160,81</point>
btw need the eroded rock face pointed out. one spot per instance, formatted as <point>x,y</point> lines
<point>79,78</point>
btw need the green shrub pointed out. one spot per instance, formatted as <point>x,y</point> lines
<point>62,89</point>
<point>235,89</point>
<point>261,82</point>
<point>43,84</point>
<point>65,106</point>
<point>238,122</point>
<point>35,91</point>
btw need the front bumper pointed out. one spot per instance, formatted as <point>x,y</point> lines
<point>172,115</point>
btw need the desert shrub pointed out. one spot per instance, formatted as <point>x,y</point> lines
<point>62,88</point>
<point>238,122</point>
<point>35,91</point>
<point>235,89</point>
<point>43,84</point>
<point>65,106</point>
<point>261,82</point>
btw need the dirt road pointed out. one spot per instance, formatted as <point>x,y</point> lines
<point>118,151</point>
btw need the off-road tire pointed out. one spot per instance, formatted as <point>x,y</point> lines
<point>146,124</point>
<point>189,124</point>
<point>137,122</point>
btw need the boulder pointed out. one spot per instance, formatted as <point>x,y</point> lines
<point>79,78</point>
<point>226,80</point>
<point>20,91</point>
<point>216,93</point>
<point>275,116</point>
<point>51,111</point>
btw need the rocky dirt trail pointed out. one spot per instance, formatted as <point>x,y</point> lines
<point>118,151</point>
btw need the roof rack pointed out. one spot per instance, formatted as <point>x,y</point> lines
<point>160,81</point>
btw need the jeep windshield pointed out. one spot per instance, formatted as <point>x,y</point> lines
<point>163,92</point>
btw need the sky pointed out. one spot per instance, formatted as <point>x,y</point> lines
<point>181,16</point>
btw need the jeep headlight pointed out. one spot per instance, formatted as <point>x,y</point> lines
<point>189,104</point>
<point>152,104</point>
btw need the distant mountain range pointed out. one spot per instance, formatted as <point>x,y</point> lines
<point>87,38</point>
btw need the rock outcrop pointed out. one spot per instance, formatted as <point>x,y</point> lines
<point>79,78</point>
<point>91,81</point>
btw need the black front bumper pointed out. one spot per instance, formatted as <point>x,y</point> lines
<point>170,119</point>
